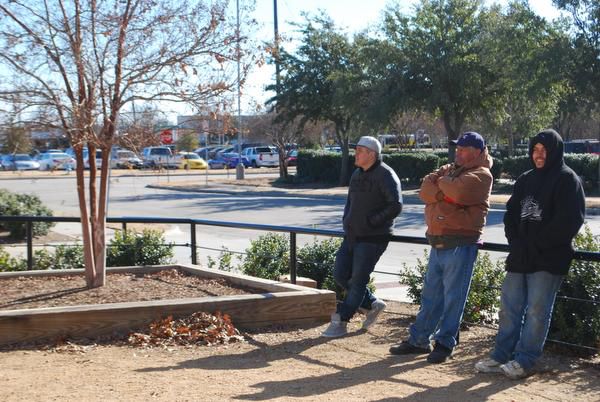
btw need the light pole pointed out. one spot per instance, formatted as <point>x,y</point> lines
<point>239,169</point>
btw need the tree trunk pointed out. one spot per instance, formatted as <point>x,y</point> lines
<point>88,254</point>
<point>344,171</point>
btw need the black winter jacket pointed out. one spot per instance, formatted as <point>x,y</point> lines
<point>374,200</point>
<point>544,213</point>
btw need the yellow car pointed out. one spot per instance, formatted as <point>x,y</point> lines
<point>190,160</point>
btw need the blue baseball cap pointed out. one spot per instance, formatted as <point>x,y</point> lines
<point>470,139</point>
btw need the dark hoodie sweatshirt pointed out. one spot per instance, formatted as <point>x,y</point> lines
<point>544,213</point>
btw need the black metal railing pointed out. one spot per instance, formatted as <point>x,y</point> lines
<point>193,223</point>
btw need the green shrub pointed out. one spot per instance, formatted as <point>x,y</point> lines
<point>516,166</point>
<point>317,260</point>
<point>483,301</point>
<point>321,166</point>
<point>497,168</point>
<point>132,248</point>
<point>578,321</point>
<point>412,166</point>
<point>19,205</point>
<point>64,257</point>
<point>8,263</point>
<point>267,257</point>
<point>225,261</point>
<point>585,165</point>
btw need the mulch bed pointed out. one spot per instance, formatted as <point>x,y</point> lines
<point>37,292</point>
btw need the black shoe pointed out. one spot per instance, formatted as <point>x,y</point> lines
<point>439,354</point>
<point>405,348</point>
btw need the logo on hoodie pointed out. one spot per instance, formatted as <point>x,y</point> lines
<point>530,209</point>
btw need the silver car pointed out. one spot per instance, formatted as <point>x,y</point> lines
<point>19,162</point>
<point>55,160</point>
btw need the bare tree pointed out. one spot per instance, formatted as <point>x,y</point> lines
<point>85,59</point>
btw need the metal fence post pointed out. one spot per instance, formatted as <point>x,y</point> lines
<point>293,261</point>
<point>29,234</point>
<point>193,240</point>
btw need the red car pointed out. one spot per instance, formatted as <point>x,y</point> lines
<point>292,158</point>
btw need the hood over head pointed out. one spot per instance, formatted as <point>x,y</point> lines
<point>553,143</point>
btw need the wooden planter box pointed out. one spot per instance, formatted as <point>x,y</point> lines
<point>278,303</point>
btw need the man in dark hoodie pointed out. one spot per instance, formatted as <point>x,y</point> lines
<point>374,200</point>
<point>543,215</point>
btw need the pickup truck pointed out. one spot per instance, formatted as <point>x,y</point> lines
<point>261,156</point>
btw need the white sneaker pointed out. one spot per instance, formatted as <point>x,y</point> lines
<point>513,370</point>
<point>488,365</point>
<point>376,308</point>
<point>336,327</point>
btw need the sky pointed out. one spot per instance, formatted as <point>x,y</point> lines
<point>350,15</point>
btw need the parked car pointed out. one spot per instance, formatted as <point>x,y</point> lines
<point>86,160</point>
<point>218,163</point>
<point>262,156</point>
<point>125,159</point>
<point>292,158</point>
<point>191,160</point>
<point>19,162</point>
<point>233,158</point>
<point>55,160</point>
<point>203,153</point>
<point>159,157</point>
<point>226,150</point>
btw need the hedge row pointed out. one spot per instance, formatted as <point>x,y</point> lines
<point>413,166</point>
<point>585,165</point>
<point>326,166</point>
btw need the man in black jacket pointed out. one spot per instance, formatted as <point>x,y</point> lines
<point>374,200</point>
<point>543,215</point>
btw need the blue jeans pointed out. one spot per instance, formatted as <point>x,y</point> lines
<point>525,313</point>
<point>444,296</point>
<point>353,266</point>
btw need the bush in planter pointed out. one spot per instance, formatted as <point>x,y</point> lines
<point>267,257</point>
<point>412,166</point>
<point>578,321</point>
<point>63,257</point>
<point>483,301</point>
<point>8,263</point>
<point>132,248</point>
<point>12,204</point>
<point>316,261</point>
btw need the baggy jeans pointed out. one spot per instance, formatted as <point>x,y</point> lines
<point>354,264</point>
<point>526,307</point>
<point>444,296</point>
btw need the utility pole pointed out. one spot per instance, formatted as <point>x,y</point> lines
<point>276,49</point>
<point>239,169</point>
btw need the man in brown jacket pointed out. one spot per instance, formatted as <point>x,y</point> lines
<point>456,198</point>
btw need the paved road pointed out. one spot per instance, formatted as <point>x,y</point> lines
<point>129,196</point>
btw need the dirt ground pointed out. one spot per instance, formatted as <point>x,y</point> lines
<point>276,363</point>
